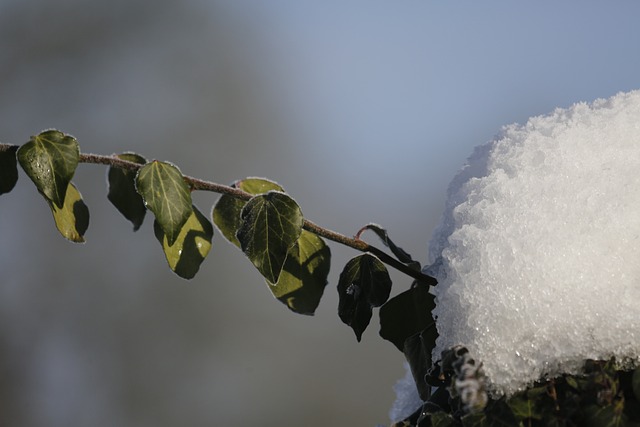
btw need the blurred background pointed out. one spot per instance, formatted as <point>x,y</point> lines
<point>362,110</point>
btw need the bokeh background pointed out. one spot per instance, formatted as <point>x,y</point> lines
<point>362,110</point>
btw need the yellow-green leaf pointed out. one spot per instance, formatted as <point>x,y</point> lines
<point>270,225</point>
<point>190,248</point>
<point>304,275</point>
<point>122,191</point>
<point>50,160</point>
<point>72,219</point>
<point>167,195</point>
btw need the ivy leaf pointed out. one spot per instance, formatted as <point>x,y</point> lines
<point>417,350</point>
<point>122,191</point>
<point>50,160</point>
<point>530,405</point>
<point>406,314</point>
<point>191,246</point>
<point>364,283</point>
<point>442,419</point>
<point>304,275</point>
<point>605,416</point>
<point>400,253</point>
<point>8,169</point>
<point>226,212</point>
<point>496,414</point>
<point>271,223</point>
<point>165,193</point>
<point>72,219</point>
<point>635,383</point>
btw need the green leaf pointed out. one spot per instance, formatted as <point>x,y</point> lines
<point>50,160</point>
<point>364,283</point>
<point>417,350</point>
<point>167,195</point>
<point>122,191</point>
<point>635,383</point>
<point>400,253</point>
<point>226,213</point>
<point>604,416</point>
<point>497,414</point>
<point>72,219</point>
<point>271,223</point>
<point>442,419</point>
<point>304,276</point>
<point>406,314</point>
<point>527,405</point>
<point>8,169</point>
<point>191,246</point>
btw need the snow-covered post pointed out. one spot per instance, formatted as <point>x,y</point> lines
<point>538,252</point>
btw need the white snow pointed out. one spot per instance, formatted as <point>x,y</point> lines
<point>407,399</point>
<point>538,252</point>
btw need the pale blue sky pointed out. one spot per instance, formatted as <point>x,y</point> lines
<point>407,89</point>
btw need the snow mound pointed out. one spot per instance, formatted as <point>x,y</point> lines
<point>538,253</point>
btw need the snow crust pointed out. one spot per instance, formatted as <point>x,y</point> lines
<point>538,252</point>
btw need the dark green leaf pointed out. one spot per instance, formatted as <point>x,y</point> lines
<point>635,383</point>
<point>72,219</point>
<point>406,314</point>
<point>50,160</point>
<point>226,213</point>
<point>604,416</point>
<point>417,350</point>
<point>400,253</point>
<point>271,223</point>
<point>527,405</point>
<point>475,420</point>
<point>167,195</point>
<point>497,414</point>
<point>304,275</point>
<point>364,283</point>
<point>190,248</point>
<point>8,169</point>
<point>122,191</point>
<point>442,419</point>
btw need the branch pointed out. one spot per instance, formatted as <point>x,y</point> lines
<point>202,185</point>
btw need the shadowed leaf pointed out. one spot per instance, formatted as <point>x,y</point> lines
<point>364,283</point>
<point>635,383</point>
<point>190,248</point>
<point>304,276</point>
<point>271,223</point>
<point>417,350</point>
<point>72,219</point>
<point>165,193</point>
<point>50,160</point>
<point>406,314</point>
<point>8,170</point>
<point>122,191</point>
